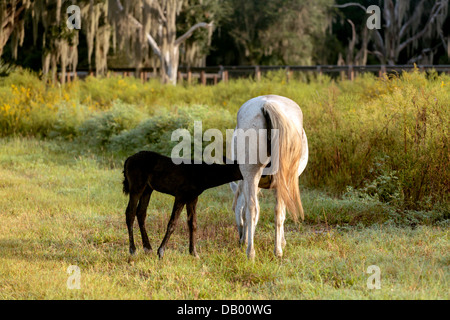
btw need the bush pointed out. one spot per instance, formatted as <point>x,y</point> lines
<point>386,137</point>
<point>99,128</point>
<point>69,119</point>
<point>405,124</point>
<point>155,133</point>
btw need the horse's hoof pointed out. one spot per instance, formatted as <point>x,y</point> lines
<point>251,255</point>
<point>278,254</point>
<point>132,251</point>
<point>242,243</point>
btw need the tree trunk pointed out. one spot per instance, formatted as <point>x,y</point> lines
<point>172,65</point>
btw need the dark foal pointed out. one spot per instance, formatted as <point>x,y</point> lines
<point>147,171</point>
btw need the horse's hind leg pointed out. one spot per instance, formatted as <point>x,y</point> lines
<point>280,215</point>
<point>243,228</point>
<point>251,180</point>
<point>141,215</point>
<point>192,223</point>
<point>130,215</point>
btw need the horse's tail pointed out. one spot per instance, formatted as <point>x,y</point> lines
<point>289,153</point>
<point>126,186</point>
<point>305,154</point>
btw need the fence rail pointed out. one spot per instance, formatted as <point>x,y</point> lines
<point>214,74</point>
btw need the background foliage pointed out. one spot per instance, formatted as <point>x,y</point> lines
<point>384,137</point>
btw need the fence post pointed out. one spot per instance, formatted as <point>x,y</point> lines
<point>257,73</point>
<point>203,77</point>
<point>288,74</point>
<point>319,70</point>
<point>382,71</point>
<point>189,77</point>
<point>351,73</point>
<point>225,76</point>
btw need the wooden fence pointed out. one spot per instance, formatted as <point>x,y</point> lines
<point>213,75</point>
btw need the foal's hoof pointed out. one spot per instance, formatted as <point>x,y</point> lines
<point>147,250</point>
<point>160,253</point>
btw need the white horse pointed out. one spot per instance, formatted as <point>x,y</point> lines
<point>280,208</point>
<point>283,114</point>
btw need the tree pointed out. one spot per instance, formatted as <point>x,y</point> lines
<point>195,49</point>
<point>59,43</point>
<point>167,48</point>
<point>297,32</point>
<point>134,28</point>
<point>272,31</point>
<point>406,25</point>
<point>12,22</point>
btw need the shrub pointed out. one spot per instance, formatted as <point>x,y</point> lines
<point>155,133</point>
<point>99,128</point>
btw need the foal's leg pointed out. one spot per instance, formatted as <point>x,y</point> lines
<point>141,215</point>
<point>192,223</point>
<point>177,207</point>
<point>280,215</point>
<point>130,215</point>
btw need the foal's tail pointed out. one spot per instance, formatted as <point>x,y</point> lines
<point>126,186</point>
<point>289,153</point>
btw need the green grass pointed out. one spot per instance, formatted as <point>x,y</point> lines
<point>62,206</point>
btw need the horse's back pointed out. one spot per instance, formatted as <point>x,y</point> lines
<point>250,113</point>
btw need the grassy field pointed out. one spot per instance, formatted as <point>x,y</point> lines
<point>375,191</point>
<point>61,205</point>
